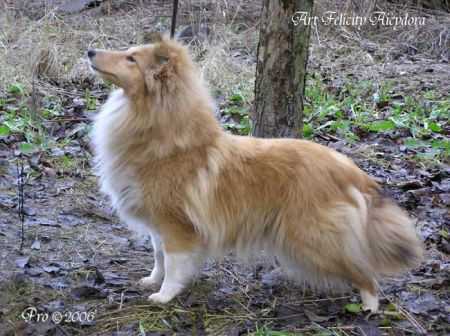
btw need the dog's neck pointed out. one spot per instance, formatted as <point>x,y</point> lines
<point>171,127</point>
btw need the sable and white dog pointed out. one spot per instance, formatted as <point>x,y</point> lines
<point>169,168</point>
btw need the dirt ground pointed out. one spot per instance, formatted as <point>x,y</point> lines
<point>79,260</point>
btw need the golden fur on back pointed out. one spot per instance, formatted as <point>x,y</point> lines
<point>168,166</point>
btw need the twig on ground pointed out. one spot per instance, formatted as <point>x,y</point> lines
<point>20,199</point>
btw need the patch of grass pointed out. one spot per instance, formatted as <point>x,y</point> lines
<point>30,128</point>
<point>16,89</point>
<point>18,119</point>
<point>357,110</point>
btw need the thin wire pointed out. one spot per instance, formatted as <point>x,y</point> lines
<point>174,18</point>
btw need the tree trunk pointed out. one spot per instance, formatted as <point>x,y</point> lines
<point>281,70</point>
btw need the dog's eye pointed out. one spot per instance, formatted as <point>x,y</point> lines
<point>131,59</point>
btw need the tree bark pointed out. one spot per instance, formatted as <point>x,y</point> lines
<point>281,70</point>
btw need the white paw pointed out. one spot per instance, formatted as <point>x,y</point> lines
<point>372,308</point>
<point>160,298</point>
<point>150,281</point>
<point>370,302</point>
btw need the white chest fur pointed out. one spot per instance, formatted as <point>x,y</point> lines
<point>117,178</point>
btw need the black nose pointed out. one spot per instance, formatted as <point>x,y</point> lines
<point>91,53</point>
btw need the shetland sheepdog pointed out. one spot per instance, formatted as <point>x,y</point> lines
<point>171,171</point>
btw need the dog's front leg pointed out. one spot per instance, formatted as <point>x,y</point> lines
<point>157,275</point>
<point>180,269</point>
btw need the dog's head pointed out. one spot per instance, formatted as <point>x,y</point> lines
<point>147,68</point>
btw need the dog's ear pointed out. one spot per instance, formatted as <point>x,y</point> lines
<point>161,67</point>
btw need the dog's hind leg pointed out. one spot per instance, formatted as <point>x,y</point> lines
<point>157,275</point>
<point>367,286</point>
<point>369,299</point>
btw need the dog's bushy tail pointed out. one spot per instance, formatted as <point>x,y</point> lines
<point>392,241</point>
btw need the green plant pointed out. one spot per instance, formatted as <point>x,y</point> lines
<point>353,308</point>
<point>17,119</point>
<point>16,89</point>
<point>52,107</point>
<point>91,101</point>
<point>237,109</point>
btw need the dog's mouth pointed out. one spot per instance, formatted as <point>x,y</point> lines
<point>96,69</point>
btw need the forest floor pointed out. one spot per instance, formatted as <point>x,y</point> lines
<point>385,104</point>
